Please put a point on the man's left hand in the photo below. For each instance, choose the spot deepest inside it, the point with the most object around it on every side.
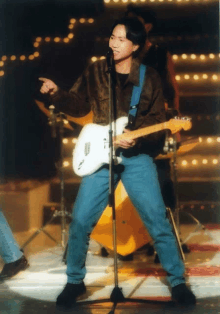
(125, 143)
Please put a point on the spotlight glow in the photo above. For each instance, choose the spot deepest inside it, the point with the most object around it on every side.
(184, 163)
(65, 141)
(195, 162)
(204, 161)
(94, 59)
(193, 56)
(70, 35)
(209, 140)
(215, 161)
(66, 163)
(186, 76)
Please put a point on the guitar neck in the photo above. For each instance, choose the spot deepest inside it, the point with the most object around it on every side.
(143, 131)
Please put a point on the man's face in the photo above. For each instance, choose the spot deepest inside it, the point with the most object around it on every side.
(121, 46)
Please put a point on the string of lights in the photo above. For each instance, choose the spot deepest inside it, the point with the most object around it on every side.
(5, 60)
(156, 1)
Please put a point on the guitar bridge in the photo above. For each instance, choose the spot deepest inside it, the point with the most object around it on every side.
(87, 149)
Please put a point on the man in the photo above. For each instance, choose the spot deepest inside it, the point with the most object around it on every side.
(139, 174)
(10, 252)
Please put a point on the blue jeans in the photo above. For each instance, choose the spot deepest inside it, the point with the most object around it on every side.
(141, 183)
(9, 249)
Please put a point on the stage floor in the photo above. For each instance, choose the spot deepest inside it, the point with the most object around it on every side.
(35, 290)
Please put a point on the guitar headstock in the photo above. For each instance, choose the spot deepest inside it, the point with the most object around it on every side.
(178, 123)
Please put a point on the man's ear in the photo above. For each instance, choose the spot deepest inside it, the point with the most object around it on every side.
(135, 48)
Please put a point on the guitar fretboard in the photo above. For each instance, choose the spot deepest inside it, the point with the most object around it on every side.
(143, 131)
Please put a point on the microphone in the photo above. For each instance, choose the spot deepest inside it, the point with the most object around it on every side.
(109, 58)
(52, 121)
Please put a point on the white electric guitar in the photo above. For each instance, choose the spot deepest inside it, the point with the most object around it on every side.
(92, 147)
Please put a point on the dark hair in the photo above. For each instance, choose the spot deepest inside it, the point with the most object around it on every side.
(135, 31)
(147, 14)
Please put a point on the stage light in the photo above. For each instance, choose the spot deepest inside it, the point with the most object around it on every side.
(116, 1)
(72, 21)
(214, 77)
(70, 35)
(184, 56)
(209, 140)
(74, 140)
(57, 39)
(71, 26)
(193, 56)
(124, 1)
(200, 139)
(36, 54)
(66, 40)
(1, 63)
(4, 58)
(195, 162)
(22, 58)
(36, 44)
(215, 161)
(218, 139)
(196, 77)
(65, 141)
(186, 76)
(211, 56)
(102, 57)
(175, 57)
(47, 39)
(31, 57)
(177, 77)
(39, 39)
(192, 206)
(202, 207)
(106, 1)
(2, 73)
(204, 161)
(66, 163)
(13, 58)
(202, 57)
(184, 163)
(82, 20)
(94, 59)
(204, 76)
(91, 21)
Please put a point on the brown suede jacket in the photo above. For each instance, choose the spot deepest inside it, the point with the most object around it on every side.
(91, 92)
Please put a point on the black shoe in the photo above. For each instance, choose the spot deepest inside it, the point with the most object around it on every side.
(183, 295)
(68, 296)
(11, 269)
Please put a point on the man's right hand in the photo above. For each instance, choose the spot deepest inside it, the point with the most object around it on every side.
(48, 86)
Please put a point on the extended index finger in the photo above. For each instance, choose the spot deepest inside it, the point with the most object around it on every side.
(44, 79)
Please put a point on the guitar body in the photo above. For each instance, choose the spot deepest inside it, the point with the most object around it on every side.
(92, 147)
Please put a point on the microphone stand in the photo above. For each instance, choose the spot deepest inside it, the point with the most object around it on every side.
(116, 295)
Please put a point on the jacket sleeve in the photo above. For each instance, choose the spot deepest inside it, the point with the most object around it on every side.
(76, 101)
(152, 108)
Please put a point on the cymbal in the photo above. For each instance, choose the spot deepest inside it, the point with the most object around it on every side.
(185, 147)
(47, 113)
(81, 121)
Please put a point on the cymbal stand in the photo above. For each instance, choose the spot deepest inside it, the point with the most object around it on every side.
(56, 121)
(199, 225)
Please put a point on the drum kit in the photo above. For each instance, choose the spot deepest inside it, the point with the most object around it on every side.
(131, 233)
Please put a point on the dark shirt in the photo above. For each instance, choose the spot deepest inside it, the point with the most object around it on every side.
(91, 92)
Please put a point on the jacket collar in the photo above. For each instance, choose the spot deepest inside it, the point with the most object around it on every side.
(134, 73)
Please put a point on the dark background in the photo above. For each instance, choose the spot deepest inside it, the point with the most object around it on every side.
(27, 149)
